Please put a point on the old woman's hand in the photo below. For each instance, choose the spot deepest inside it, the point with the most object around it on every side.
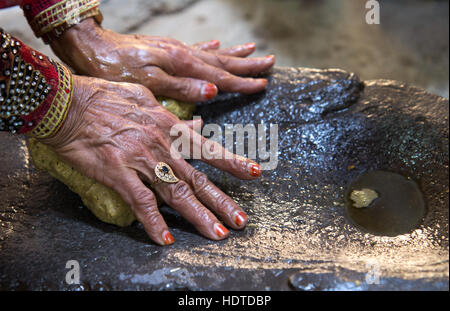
(166, 66)
(117, 133)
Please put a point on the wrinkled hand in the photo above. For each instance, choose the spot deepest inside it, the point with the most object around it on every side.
(166, 66)
(116, 133)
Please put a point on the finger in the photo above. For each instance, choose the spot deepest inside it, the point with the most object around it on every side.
(237, 51)
(153, 58)
(208, 45)
(211, 196)
(213, 153)
(237, 65)
(180, 197)
(216, 155)
(195, 68)
(185, 64)
(183, 89)
(144, 206)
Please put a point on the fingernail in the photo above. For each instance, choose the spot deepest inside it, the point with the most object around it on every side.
(215, 42)
(250, 45)
(270, 58)
(263, 81)
(221, 231)
(255, 170)
(209, 91)
(168, 238)
(240, 218)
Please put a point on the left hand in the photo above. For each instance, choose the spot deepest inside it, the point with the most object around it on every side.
(117, 133)
(166, 66)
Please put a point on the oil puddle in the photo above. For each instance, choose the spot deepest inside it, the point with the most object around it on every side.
(385, 203)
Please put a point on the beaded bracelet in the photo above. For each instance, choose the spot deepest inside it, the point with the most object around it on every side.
(35, 91)
(50, 18)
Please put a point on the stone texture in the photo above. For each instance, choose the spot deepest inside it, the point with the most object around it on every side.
(332, 128)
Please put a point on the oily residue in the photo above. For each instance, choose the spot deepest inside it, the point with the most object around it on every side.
(328, 121)
(398, 208)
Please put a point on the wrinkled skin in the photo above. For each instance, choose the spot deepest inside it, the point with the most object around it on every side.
(116, 133)
(166, 66)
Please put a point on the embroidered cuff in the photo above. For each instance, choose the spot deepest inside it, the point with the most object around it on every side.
(50, 18)
(35, 91)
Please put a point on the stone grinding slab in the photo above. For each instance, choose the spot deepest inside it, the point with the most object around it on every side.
(332, 129)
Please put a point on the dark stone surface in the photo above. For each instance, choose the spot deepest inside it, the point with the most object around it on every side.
(332, 129)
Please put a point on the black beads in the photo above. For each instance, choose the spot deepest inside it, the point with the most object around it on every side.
(22, 90)
(12, 124)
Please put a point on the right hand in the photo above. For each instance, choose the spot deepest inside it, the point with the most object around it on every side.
(116, 133)
(166, 66)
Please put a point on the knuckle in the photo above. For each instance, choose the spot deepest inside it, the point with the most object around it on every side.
(184, 60)
(152, 76)
(174, 52)
(144, 198)
(179, 52)
(181, 191)
(223, 204)
(225, 78)
(150, 216)
(223, 61)
(200, 181)
(186, 89)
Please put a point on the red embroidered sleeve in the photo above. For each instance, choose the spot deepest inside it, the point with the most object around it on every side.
(35, 91)
(7, 3)
(50, 18)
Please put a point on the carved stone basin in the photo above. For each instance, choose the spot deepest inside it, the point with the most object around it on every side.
(332, 129)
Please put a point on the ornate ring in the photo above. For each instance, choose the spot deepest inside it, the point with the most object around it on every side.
(164, 173)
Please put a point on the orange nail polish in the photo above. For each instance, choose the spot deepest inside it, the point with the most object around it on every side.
(264, 81)
(215, 42)
(250, 45)
(240, 218)
(221, 231)
(209, 91)
(168, 238)
(255, 170)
